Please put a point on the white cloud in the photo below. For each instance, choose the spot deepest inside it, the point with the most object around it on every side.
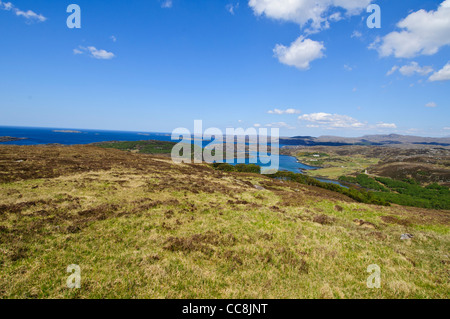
(348, 67)
(431, 104)
(113, 38)
(231, 8)
(95, 53)
(300, 53)
(422, 33)
(414, 68)
(29, 15)
(6, 6)
(411, 69)
(331, 121)
(316, 13)
(338, 121)
(100, 54)
(287, 111)
(280, 125)
(386, 125)
(167, 4)
(447, 128)
(392, 71)
(356, 34)
(441, 75)
(257, 125)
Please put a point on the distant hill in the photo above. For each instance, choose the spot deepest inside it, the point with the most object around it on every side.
(391, 139)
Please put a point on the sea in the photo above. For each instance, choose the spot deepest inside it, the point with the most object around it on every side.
(64, 136)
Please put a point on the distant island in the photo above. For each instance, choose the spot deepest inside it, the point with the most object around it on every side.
(66, 131)
(11, 139)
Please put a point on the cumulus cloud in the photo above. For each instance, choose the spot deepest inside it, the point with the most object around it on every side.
(422, 33)
(386, 125)
(315, 13)
(415, 68)
(29, 15)
(431, 104)
(280, 125)
(441, 75)
(411, 69)
(94, 52)
(287, 111)
(331, 121)
(312, 16)
(300, 53)
(392, 71)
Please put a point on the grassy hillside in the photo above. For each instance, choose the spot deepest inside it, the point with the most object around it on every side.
(141, 226)
(407, 192)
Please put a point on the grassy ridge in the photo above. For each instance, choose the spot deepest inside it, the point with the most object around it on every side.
(143, 147)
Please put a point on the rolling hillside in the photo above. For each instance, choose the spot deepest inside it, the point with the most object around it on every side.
(141, 226)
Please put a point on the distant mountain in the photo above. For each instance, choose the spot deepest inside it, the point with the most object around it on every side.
(391, 139)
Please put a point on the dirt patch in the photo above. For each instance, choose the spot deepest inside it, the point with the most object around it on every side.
(19, 207)
(19, 252)
(323, 219)
(378, 235)
(200, 242)
(364, 224)
(233, 256)
(290, 259)
(395, 220)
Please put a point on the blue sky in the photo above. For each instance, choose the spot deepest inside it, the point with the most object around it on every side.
(157, 65)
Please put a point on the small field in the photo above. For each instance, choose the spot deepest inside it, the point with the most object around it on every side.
(334, 166)
(140, 226)
(425, 165)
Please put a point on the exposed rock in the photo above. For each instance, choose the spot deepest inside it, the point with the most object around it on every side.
(406, 236)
